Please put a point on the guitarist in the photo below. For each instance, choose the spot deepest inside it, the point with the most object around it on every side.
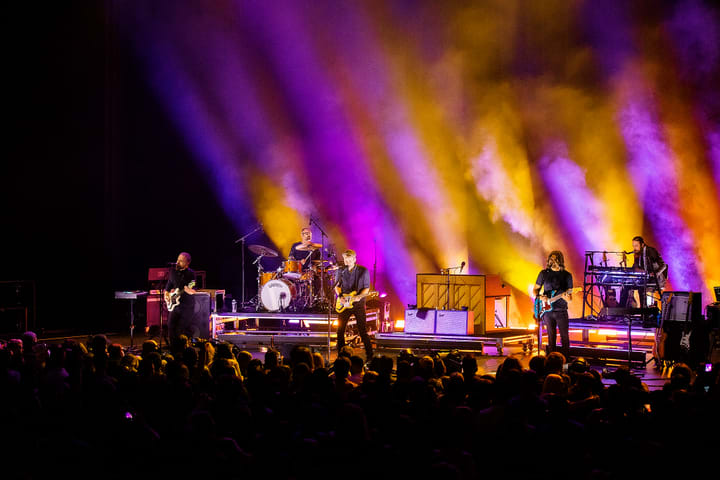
(180, 318)
(353, 278)
(556, 279)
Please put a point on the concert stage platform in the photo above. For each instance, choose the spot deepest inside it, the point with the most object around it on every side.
(311, 329)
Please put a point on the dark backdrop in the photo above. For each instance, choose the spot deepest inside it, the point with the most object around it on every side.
(97, 185)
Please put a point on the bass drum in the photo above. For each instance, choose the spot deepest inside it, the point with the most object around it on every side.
(277, 294)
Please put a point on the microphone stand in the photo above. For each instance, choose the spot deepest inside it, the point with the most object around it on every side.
(322, 282)
(443, 271)
(242, 277)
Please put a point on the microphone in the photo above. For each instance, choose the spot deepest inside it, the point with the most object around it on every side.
(462, 265)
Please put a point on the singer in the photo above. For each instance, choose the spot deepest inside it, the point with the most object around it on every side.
(182, 280)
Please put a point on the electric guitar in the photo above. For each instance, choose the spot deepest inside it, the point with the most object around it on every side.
(173, 300)
(346, 301)
(541, 308)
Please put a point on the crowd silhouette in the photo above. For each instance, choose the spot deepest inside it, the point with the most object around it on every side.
(96, 410)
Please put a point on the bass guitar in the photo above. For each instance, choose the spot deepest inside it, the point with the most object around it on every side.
(347, 300)
(173, 300)
(542, 307)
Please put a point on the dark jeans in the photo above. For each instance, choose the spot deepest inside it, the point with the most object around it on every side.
(558, 319)
(359, 311)
(180, 321)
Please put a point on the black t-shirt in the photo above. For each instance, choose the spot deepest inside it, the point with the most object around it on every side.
(180, 279)
(553, 283)
(300, 255)
(353, 281)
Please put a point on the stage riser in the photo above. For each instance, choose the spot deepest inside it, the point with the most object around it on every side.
(603, 354)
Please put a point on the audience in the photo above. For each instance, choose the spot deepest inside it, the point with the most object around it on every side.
(211, 408)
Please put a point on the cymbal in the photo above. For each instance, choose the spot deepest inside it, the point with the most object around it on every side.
(309, 247)
(318, 262)
(262, 250)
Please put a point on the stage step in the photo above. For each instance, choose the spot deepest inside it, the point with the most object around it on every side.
(611, 354)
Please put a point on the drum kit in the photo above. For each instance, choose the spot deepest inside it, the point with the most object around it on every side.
(290, 287)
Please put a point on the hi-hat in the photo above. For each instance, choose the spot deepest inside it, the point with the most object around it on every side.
(262, 250)
(318, 262)
(309, 247)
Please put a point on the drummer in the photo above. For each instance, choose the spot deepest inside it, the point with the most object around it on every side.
(305, 250)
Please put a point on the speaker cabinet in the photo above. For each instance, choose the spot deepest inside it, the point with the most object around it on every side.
(454, 322)
(420, 320)
(681, 306)
(200, 325)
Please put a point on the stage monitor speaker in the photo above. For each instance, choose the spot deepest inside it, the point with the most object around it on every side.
(681, 306)
(454, 322)
(421, 320)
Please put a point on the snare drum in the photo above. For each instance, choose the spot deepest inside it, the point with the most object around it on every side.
(292, 269)
(266, 277)
(277, 294)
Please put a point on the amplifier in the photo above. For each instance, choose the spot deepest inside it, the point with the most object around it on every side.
(681, 306)
(420, 320)
(454, 322)
(158, 274)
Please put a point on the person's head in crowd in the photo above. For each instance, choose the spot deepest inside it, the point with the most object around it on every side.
(404, 370)
(537, 365)
(439, 367)
(453, 362)
(272, 358)
(554, 362)
(29, 340)
(681, 376)
(300, 354)
(356, 365)
(207, 353)
(425, 367)
(150, 365)
(300, 373)
(178, 345)
(130, 362)
(341, 367)
(509, 363)
(115, 352)
(149, 346)
(469, 366)
(99, 345)
(243, 358)
(578, 366)
(223, 366)
(555, 384)
(318, 360)
(190, 357)
(384, 366)
(346, 351)
(15, 346)
(224, 350)
(255, 365)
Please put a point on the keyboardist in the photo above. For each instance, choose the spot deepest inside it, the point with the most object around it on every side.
(647, 259)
